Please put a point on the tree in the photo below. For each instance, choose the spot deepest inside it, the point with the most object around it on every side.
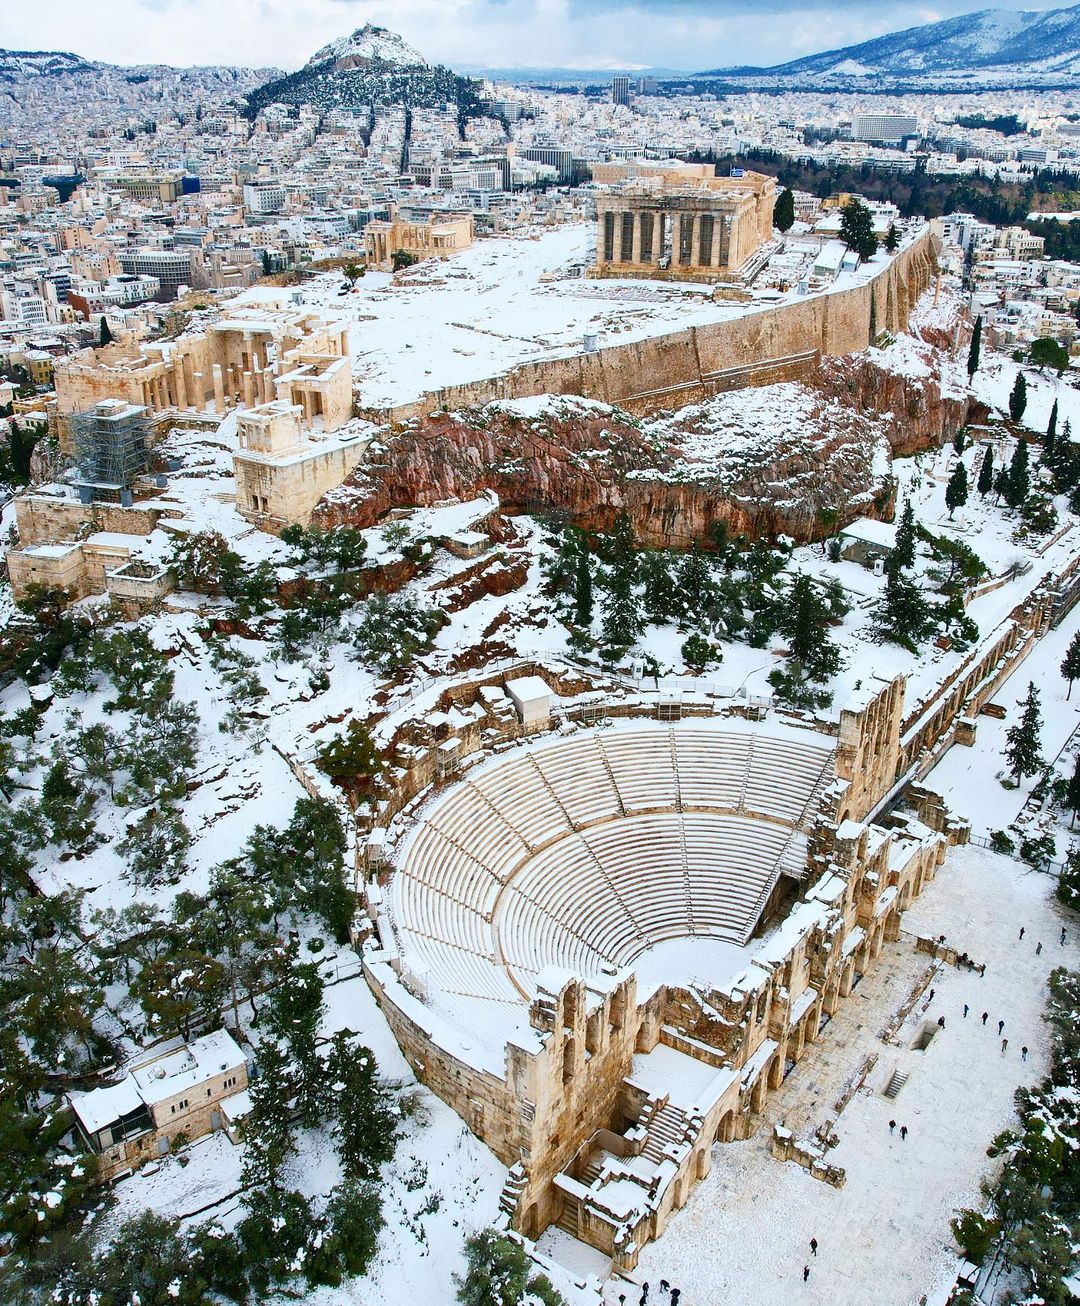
(986, 472)
(1018, 476)
(401, 258)
(857, 229)
(393, 631)
(292, 1018)
(266, 269)
(154, 848)
(1072, 793)
(902, 615)
(958, 440)
(956, 492)
(497, 1274)
(147, 1263)
(366, 1128)
(354, 1214)
(583, 590)
(1051, 435)
(974, 349)
(351, 760)
(1018, 398)
(698, 652)
(266, 1133)
(784, 210)
(1022, 740)
(1070, 666)
(892, 240)
(1047, 352)
(104, 334)
(903, 552)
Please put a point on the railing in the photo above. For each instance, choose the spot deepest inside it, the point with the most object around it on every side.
(1048, 868)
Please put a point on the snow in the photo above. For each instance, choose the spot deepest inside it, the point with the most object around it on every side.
(371, 43)
(888, 1225)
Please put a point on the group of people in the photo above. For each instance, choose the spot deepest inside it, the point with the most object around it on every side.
(666, 1290)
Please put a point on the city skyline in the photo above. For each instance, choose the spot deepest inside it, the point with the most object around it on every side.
(592, 35)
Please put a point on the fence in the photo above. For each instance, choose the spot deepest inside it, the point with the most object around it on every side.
(1047, 868)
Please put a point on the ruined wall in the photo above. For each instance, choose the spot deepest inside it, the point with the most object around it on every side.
(275, 493)
(692, 364)
(43, 519)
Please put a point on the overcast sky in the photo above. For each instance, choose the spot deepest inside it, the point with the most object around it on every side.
(690, 34)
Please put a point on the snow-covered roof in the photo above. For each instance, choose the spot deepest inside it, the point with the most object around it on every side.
(871, 531)
(528, 689)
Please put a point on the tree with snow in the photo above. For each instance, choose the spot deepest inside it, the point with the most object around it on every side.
(1022, 741)
(351, 760)
(958, 441)
(784, 210)
(986, 472)
(1018, 398)
(975, 349)
(892, 240)
(1072, 793)
(956, 492)
(698, 652)
(367, 1121)
(1070, 666)
(903, 551)
(857, 229)
(583, 590)
(902, 615)
(1051, 435)
(497, 1273)
(1018, 477)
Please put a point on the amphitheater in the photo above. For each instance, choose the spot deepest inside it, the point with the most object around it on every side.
(605, 944)
(591, 853)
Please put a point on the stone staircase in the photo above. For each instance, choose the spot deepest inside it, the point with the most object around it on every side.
(896, 1082)
(666, 1129)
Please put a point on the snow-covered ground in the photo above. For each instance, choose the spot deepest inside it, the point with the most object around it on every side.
(884, 1236)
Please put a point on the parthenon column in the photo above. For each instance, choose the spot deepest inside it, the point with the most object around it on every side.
(635, 256)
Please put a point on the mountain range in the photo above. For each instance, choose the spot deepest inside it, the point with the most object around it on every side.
(1044, 41)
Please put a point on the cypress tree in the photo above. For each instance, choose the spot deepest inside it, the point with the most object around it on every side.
(1051, 434)
(903, 554)
(583, 591)
(892, 240)
(1072, 794)
(784, 210)
(1018, 477)
(902, 615)
(956, 492)
(1022, 740)
(1018, 398)
(986, 473)
(857, 229)
(975, 349)
(104, 334)
(1070, 666)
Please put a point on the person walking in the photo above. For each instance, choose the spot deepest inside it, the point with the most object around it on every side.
(644, 1294)
(813, 1246)
(985, 1014)
(1023, 1054)
(1001, 1026)
(941, 1022)
(982, 970)
(676, 1293)
(1004, 1046)
(805, 1273)
(1038, 949)
(664, 1285)
(930, 998)
(966, 1010)
(903, 1132)
(1022, 928)
(1063, 936)
(892, 1126)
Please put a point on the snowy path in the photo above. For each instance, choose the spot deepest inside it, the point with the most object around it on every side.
(744, 1236)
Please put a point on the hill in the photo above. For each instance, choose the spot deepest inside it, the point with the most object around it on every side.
(1042, 41)
(371, 67)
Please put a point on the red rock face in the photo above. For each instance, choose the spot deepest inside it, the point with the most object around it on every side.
(589, 463)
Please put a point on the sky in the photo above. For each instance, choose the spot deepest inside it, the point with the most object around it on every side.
(587, 34)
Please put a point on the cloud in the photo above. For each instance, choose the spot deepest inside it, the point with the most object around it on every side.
(690, 34)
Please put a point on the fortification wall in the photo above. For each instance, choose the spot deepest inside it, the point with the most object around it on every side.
(692, 364)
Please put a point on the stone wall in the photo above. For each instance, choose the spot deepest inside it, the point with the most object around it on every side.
(43, 519)
(641, 376)
(273, 493)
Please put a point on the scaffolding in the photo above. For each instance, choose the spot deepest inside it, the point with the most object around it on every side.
(111, 445)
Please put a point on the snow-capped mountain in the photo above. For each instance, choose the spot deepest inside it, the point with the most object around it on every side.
(369, 45)
(39, 63)
(369, 68)
(1046, 41)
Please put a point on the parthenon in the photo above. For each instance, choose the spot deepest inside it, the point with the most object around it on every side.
(683, 232)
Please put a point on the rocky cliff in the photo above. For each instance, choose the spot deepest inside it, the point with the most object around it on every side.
(772, 460)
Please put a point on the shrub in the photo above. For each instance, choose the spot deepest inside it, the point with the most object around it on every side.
(974, 1233)
(1001, 843)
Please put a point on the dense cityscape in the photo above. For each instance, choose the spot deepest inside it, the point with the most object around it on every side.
(538, 623)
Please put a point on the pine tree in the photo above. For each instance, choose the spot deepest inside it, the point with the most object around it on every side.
(1070, 666)
(958, 441)
(956, 492)
(583, 590)
(1018, 398)
(104, 334)
(902, 615)
(903, 553)
(1018, 477)
(975, 349)
(986, 472)
(857, 229)
(1072, 793)
(1022, 751)
(1051, 435)
(784, 210)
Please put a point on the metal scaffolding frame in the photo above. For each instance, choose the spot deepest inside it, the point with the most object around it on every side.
(112, 447)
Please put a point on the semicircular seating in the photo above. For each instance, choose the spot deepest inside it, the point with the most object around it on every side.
(584, 851)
